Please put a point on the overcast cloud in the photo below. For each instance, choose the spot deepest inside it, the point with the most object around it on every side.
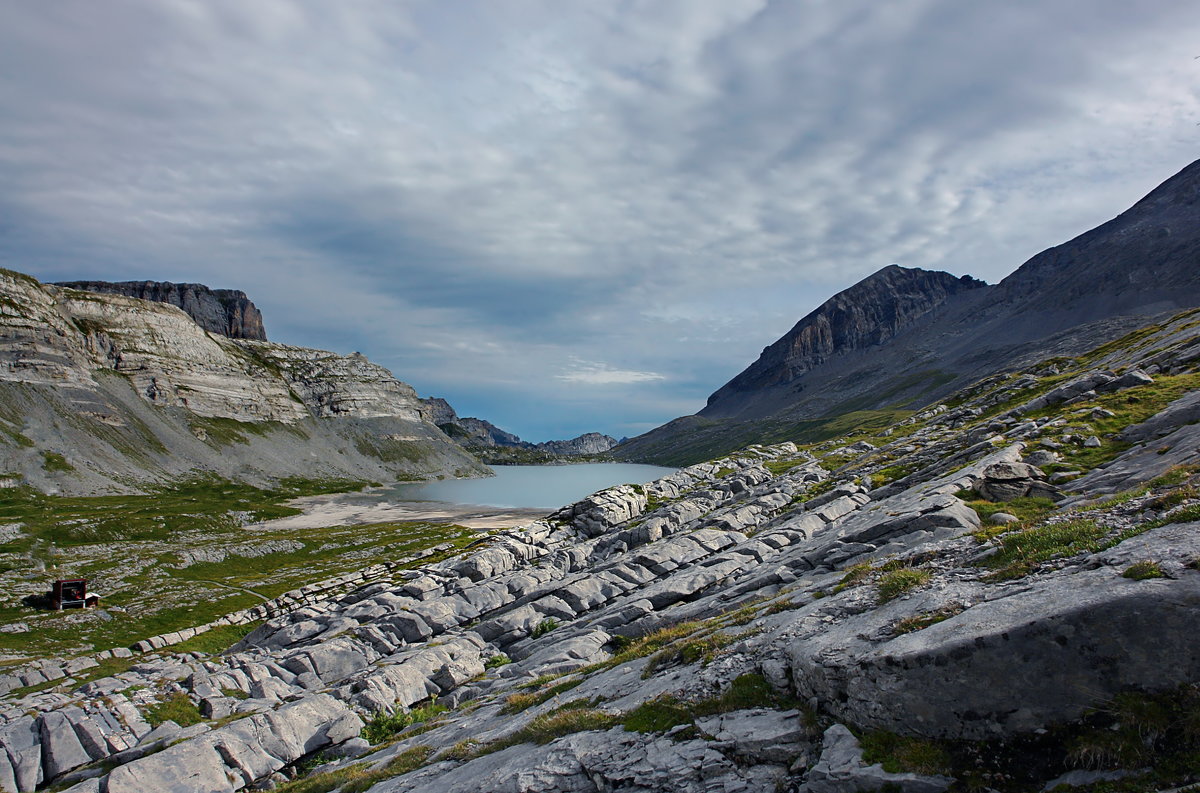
(566, 217)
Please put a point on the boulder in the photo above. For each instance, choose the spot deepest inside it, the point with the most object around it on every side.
(1063, 642)
(1006, 481)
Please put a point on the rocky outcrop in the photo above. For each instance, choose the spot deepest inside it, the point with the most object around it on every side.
(225, 311)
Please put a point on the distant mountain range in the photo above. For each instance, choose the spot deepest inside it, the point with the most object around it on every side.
(496, 445)
(903, 338)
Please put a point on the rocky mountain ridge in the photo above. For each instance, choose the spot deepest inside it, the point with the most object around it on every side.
(481, 435)
(902, 338)
(999, 592)
(126, 390)
(228, 312)
(868, 314)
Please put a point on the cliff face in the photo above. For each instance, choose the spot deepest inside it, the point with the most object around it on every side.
(225, 311)
(870, 313)
(134, 390)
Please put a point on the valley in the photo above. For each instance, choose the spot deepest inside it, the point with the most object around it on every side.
(942, 536)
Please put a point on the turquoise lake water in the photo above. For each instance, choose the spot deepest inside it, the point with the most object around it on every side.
(530, 486)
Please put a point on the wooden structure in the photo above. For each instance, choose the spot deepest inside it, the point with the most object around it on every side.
(71, 593)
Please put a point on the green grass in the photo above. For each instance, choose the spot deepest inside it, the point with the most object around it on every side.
(515, 703)
(895, 583)
(359, 778)
(1020, 552)
(900, 754)
(1026, 510)
(918, 622)
(215, 640)
(700, 648)
(177, 708)
(1140, 571)
(783, 466)
(890, 474)
(53, 462)
(198, 504)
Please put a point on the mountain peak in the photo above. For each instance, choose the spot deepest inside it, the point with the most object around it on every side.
(867, 314)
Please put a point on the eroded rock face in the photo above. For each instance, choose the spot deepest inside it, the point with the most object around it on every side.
(225, 311)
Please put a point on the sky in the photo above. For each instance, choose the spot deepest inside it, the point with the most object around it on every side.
(572, 217)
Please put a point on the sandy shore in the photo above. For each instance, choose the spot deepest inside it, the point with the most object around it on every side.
(342, 509)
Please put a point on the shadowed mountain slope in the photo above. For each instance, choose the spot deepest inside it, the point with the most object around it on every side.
(903, 338)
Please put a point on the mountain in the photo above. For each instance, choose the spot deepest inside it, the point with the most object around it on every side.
(870, 313)
(903, 338)
(497, 446)
(225, 311)
(105, 392)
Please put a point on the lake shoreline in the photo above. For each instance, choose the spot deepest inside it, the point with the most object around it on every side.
(465, 501)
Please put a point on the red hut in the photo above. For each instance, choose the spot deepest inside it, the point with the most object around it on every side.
(69, 594)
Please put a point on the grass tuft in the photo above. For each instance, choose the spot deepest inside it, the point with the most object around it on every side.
(1140, 571)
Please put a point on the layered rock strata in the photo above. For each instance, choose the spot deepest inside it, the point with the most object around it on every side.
(126, 390)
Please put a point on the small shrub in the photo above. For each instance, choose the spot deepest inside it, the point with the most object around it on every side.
(496, 660)
(1140, 571)
(236, 693)
(384, 725)
(544, 627)
(897, 582)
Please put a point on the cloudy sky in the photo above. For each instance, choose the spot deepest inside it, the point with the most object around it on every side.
(573, 216)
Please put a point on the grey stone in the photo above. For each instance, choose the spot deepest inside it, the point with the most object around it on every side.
(1090, 640)
(22, 739)
(1003, 518)
(761, 735)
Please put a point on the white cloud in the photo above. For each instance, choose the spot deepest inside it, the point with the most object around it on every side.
(591, 373)
(478, 193)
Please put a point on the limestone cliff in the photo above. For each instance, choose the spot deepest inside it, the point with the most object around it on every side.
(130, 390)
(225, 311)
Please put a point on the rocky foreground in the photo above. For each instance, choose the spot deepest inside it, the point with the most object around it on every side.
(1000, 592)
